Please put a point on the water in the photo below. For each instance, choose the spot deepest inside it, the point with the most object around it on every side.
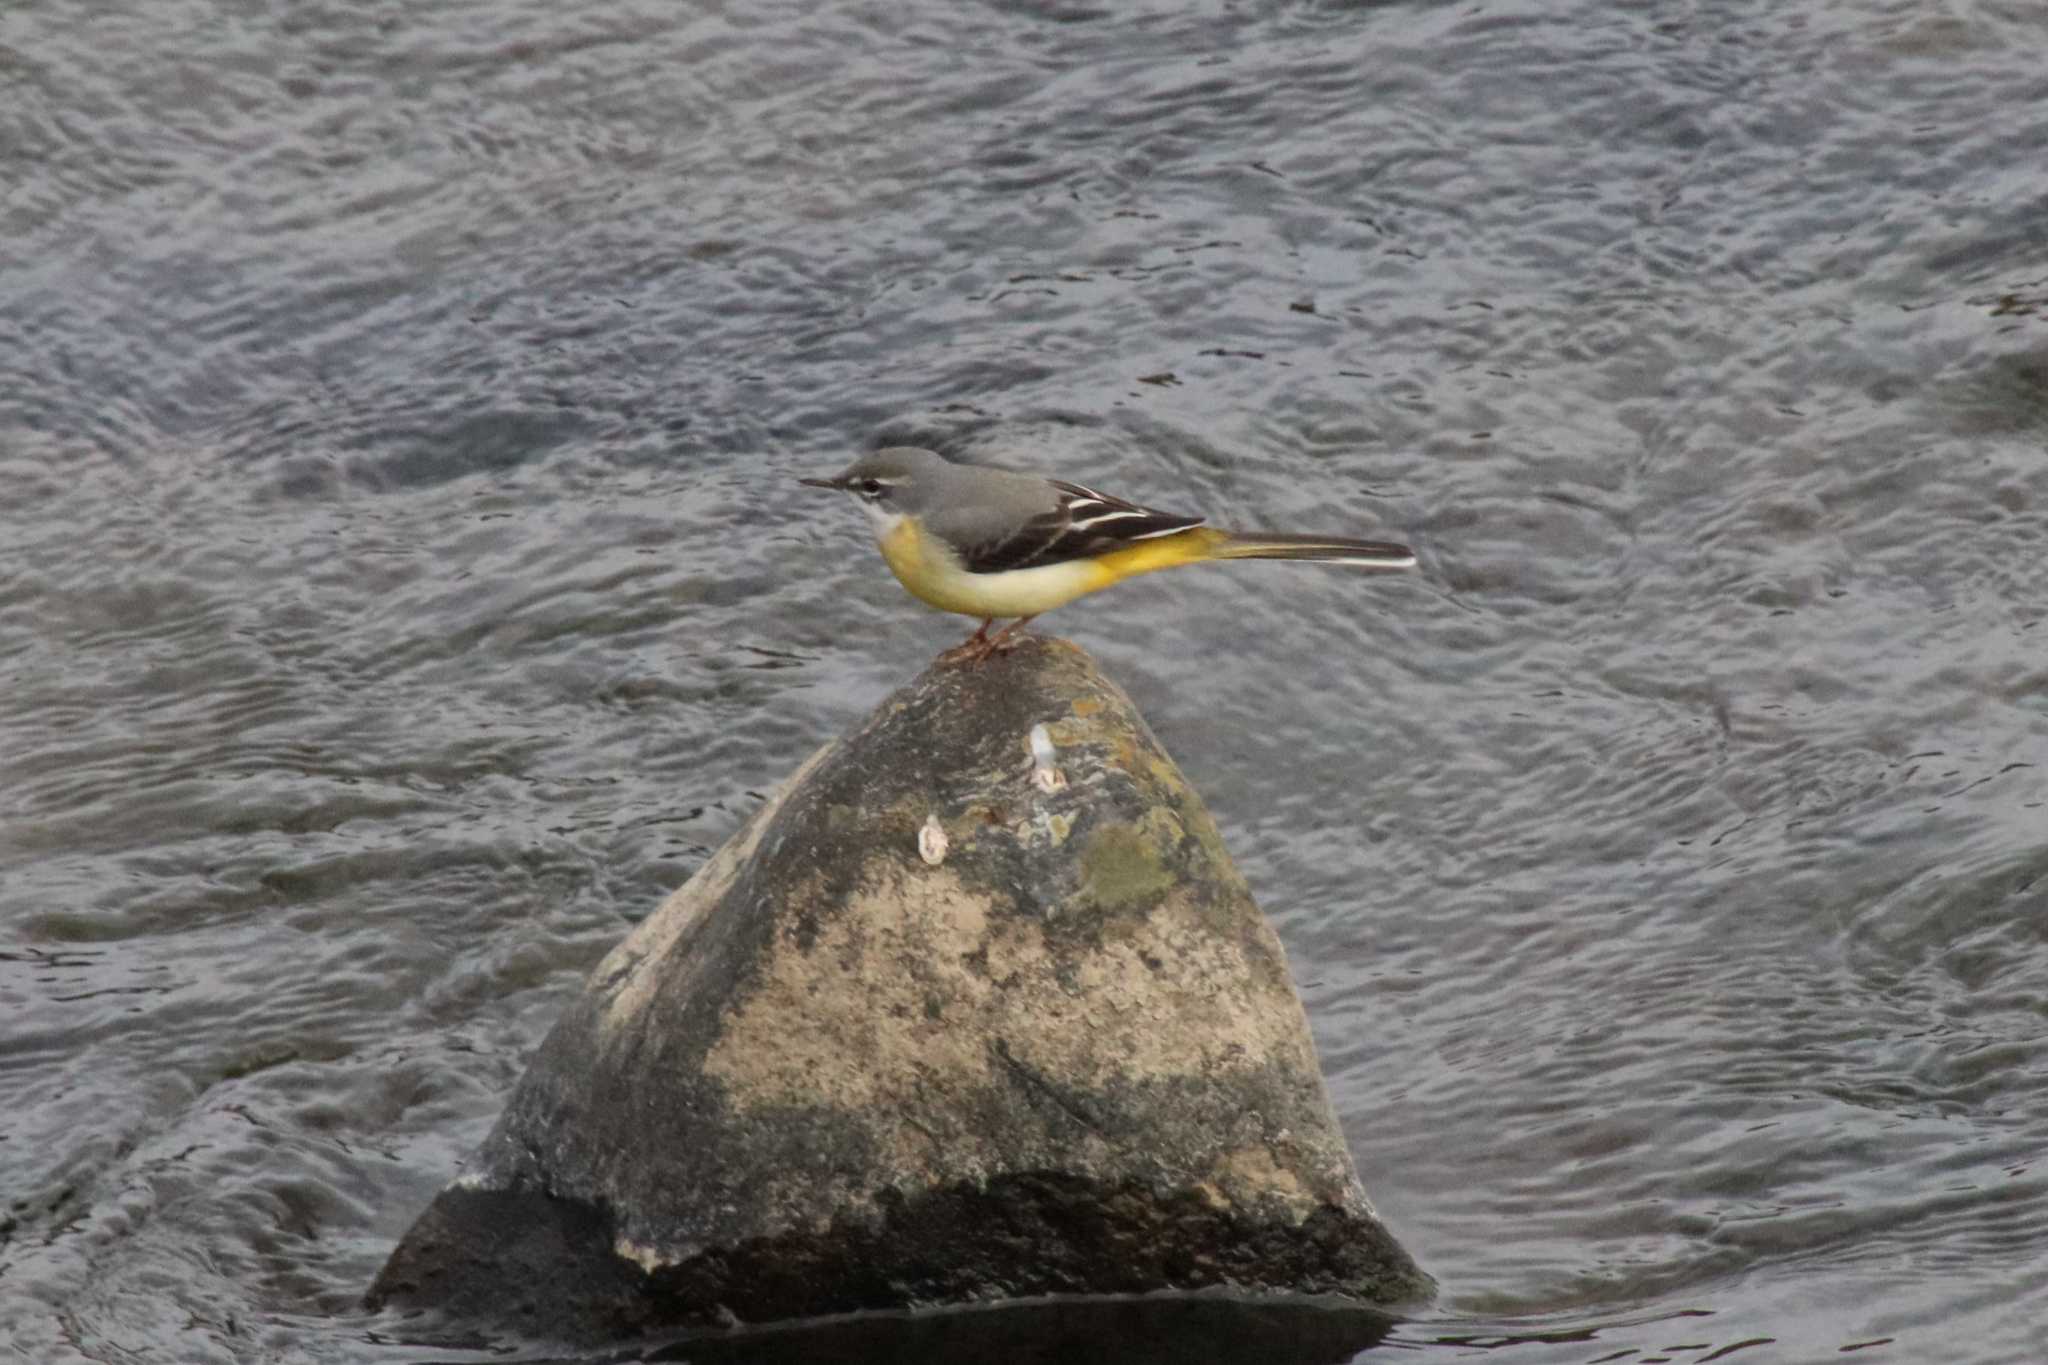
(402, 586)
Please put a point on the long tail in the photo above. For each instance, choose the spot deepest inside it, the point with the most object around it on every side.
(1358, 554)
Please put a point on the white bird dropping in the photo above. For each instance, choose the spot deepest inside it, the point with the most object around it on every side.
(931, 841)
(1047, 777)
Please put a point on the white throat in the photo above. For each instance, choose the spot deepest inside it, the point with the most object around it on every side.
(881, 518)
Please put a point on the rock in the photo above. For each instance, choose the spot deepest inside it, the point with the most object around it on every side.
(943, 1023)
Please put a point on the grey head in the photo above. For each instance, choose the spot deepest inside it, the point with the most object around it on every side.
(962, 505)
(892, 481)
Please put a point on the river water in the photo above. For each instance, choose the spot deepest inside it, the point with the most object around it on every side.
(403, 585)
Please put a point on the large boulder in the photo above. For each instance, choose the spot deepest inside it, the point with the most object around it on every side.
(945, 1022)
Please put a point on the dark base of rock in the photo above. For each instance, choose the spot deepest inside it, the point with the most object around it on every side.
(522, 1259)
(1157, 1329)
(1151, 1329)
(530, 1260)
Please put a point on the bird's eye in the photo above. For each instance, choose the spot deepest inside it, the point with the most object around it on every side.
(871, 488)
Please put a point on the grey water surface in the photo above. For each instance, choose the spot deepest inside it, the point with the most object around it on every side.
(403, 585)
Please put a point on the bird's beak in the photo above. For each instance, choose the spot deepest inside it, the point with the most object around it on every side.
(834, 484)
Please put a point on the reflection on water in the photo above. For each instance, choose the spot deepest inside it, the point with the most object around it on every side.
(402, 588)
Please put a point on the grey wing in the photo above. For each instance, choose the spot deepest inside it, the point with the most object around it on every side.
(1081, 524)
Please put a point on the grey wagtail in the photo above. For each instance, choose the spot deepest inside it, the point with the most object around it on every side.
(990, 543)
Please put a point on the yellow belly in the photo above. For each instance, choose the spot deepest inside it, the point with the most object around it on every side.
(933, 573)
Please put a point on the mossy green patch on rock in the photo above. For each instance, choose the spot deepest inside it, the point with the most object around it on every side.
(1124, 865)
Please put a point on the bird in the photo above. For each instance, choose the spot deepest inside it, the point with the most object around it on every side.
(992, 543)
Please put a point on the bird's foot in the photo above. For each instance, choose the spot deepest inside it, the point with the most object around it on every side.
(981, 645)
(1007, 638)
(973, 649)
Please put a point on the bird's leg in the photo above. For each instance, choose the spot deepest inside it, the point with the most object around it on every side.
(974, 648)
